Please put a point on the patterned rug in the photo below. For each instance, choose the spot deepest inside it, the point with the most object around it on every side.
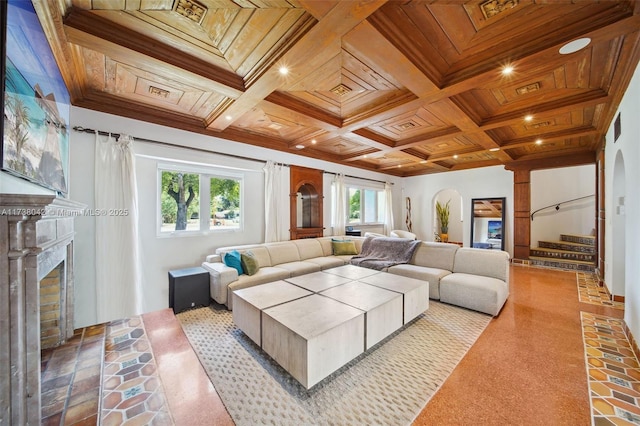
(387, 385)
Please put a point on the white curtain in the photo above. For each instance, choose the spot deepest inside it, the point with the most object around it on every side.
(339, 205)
(388, 209)
(118, 271)
(275, 202)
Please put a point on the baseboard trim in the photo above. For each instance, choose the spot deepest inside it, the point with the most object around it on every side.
(632, 340)
(618, 298)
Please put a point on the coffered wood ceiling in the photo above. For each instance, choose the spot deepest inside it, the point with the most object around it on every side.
(400, 87)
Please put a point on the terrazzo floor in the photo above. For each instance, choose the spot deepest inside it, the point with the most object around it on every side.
(150, 375)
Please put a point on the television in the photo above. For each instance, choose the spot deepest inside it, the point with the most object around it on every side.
(494, 229)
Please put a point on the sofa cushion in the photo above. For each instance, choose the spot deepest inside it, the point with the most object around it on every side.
(283, 252)
(424, 273)
(435, 255)
(326, 262)
(264, 275)
(480, 293)
(309, 248)
(300, 268)
(233, 260)
(249, 262)
(488, 263)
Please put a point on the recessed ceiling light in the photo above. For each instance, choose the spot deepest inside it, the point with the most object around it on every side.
(455, 156)
(365, 156)
(507, 69)
(313, 141)
(539, 142)
(284, 70)
(399, 165)
(299, 146)
(228, 117)
(494, 149)
(575, 45)
(423, 162)
(528, 117)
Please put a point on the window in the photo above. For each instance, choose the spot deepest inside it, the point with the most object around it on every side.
(195, 200)
(366, 206)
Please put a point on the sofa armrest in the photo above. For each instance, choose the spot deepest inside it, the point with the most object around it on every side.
(213, 258)
(220, 276)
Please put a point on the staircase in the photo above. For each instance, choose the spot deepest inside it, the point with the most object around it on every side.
(573, 252)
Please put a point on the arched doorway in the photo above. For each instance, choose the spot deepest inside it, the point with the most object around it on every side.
(618, 222)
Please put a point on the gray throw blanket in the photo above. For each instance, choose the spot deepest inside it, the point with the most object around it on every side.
(381, 252)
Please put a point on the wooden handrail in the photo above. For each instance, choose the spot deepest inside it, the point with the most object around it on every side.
(557, 205)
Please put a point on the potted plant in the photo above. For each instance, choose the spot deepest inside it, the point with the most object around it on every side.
(442, 210)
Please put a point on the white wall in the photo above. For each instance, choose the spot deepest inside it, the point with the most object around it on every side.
(486, 182)
(10, 184)
(162, 254)
(568, 183)
(626, 150)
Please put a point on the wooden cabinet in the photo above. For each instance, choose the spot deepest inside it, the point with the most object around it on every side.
(305, 202)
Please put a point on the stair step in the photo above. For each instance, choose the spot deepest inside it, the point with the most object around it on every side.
(573, 265)
(562, 254)
(579, 239)
(567, 246)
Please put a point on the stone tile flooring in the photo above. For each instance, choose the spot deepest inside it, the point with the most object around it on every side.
(132, 392)
(590, 291)
(613, 371)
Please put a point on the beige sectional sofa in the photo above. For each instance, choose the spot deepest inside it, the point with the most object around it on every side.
(472, 278)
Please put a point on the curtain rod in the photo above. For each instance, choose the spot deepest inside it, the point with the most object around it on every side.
(241, 157)
(117, 135)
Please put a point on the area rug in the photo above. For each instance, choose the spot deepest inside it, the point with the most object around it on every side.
(388, 385)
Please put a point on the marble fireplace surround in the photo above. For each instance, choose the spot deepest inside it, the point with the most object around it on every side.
(36, 236)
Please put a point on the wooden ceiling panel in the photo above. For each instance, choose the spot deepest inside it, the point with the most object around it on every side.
(404, 88)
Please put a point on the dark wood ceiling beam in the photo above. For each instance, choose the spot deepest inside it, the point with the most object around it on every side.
(285, 100)
(550, 137)
(568, 160)
(590, 98)
(303, 58)
(86, 22)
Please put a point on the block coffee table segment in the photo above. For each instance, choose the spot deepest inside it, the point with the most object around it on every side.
(415, 292)
(351, 271)
(317, 281)
(249, 302)
(312, 337)
(383, 308)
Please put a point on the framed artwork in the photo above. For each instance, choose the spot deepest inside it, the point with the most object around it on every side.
(36, 103)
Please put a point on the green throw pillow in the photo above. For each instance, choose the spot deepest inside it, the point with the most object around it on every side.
(249, 263)
(343, 248)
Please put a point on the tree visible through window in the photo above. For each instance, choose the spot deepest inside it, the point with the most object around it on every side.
(198, 202)
(365, 205)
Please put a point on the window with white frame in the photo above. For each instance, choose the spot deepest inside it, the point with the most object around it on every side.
(195, 199)
(365, 205)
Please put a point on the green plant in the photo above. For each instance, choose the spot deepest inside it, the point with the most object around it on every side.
(442, 211)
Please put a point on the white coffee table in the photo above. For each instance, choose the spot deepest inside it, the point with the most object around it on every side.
(248, 304)
(383, 308)
(415, 292)
(351, 271)
(313, 336)
(317, 281)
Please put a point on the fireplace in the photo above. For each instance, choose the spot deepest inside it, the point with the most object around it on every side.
(36, 295)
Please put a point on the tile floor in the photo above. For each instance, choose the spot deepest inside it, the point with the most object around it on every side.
(152, 377)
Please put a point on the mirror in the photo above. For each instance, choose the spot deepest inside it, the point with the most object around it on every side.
(487, 223)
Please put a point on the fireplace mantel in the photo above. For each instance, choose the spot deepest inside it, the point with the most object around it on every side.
(36, 235)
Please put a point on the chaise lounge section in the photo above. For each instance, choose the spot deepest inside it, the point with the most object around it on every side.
(476, 279)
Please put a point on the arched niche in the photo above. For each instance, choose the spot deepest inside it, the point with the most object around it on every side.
(455, 214)
(305, 202)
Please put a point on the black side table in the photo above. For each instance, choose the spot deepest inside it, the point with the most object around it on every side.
(188, 288)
